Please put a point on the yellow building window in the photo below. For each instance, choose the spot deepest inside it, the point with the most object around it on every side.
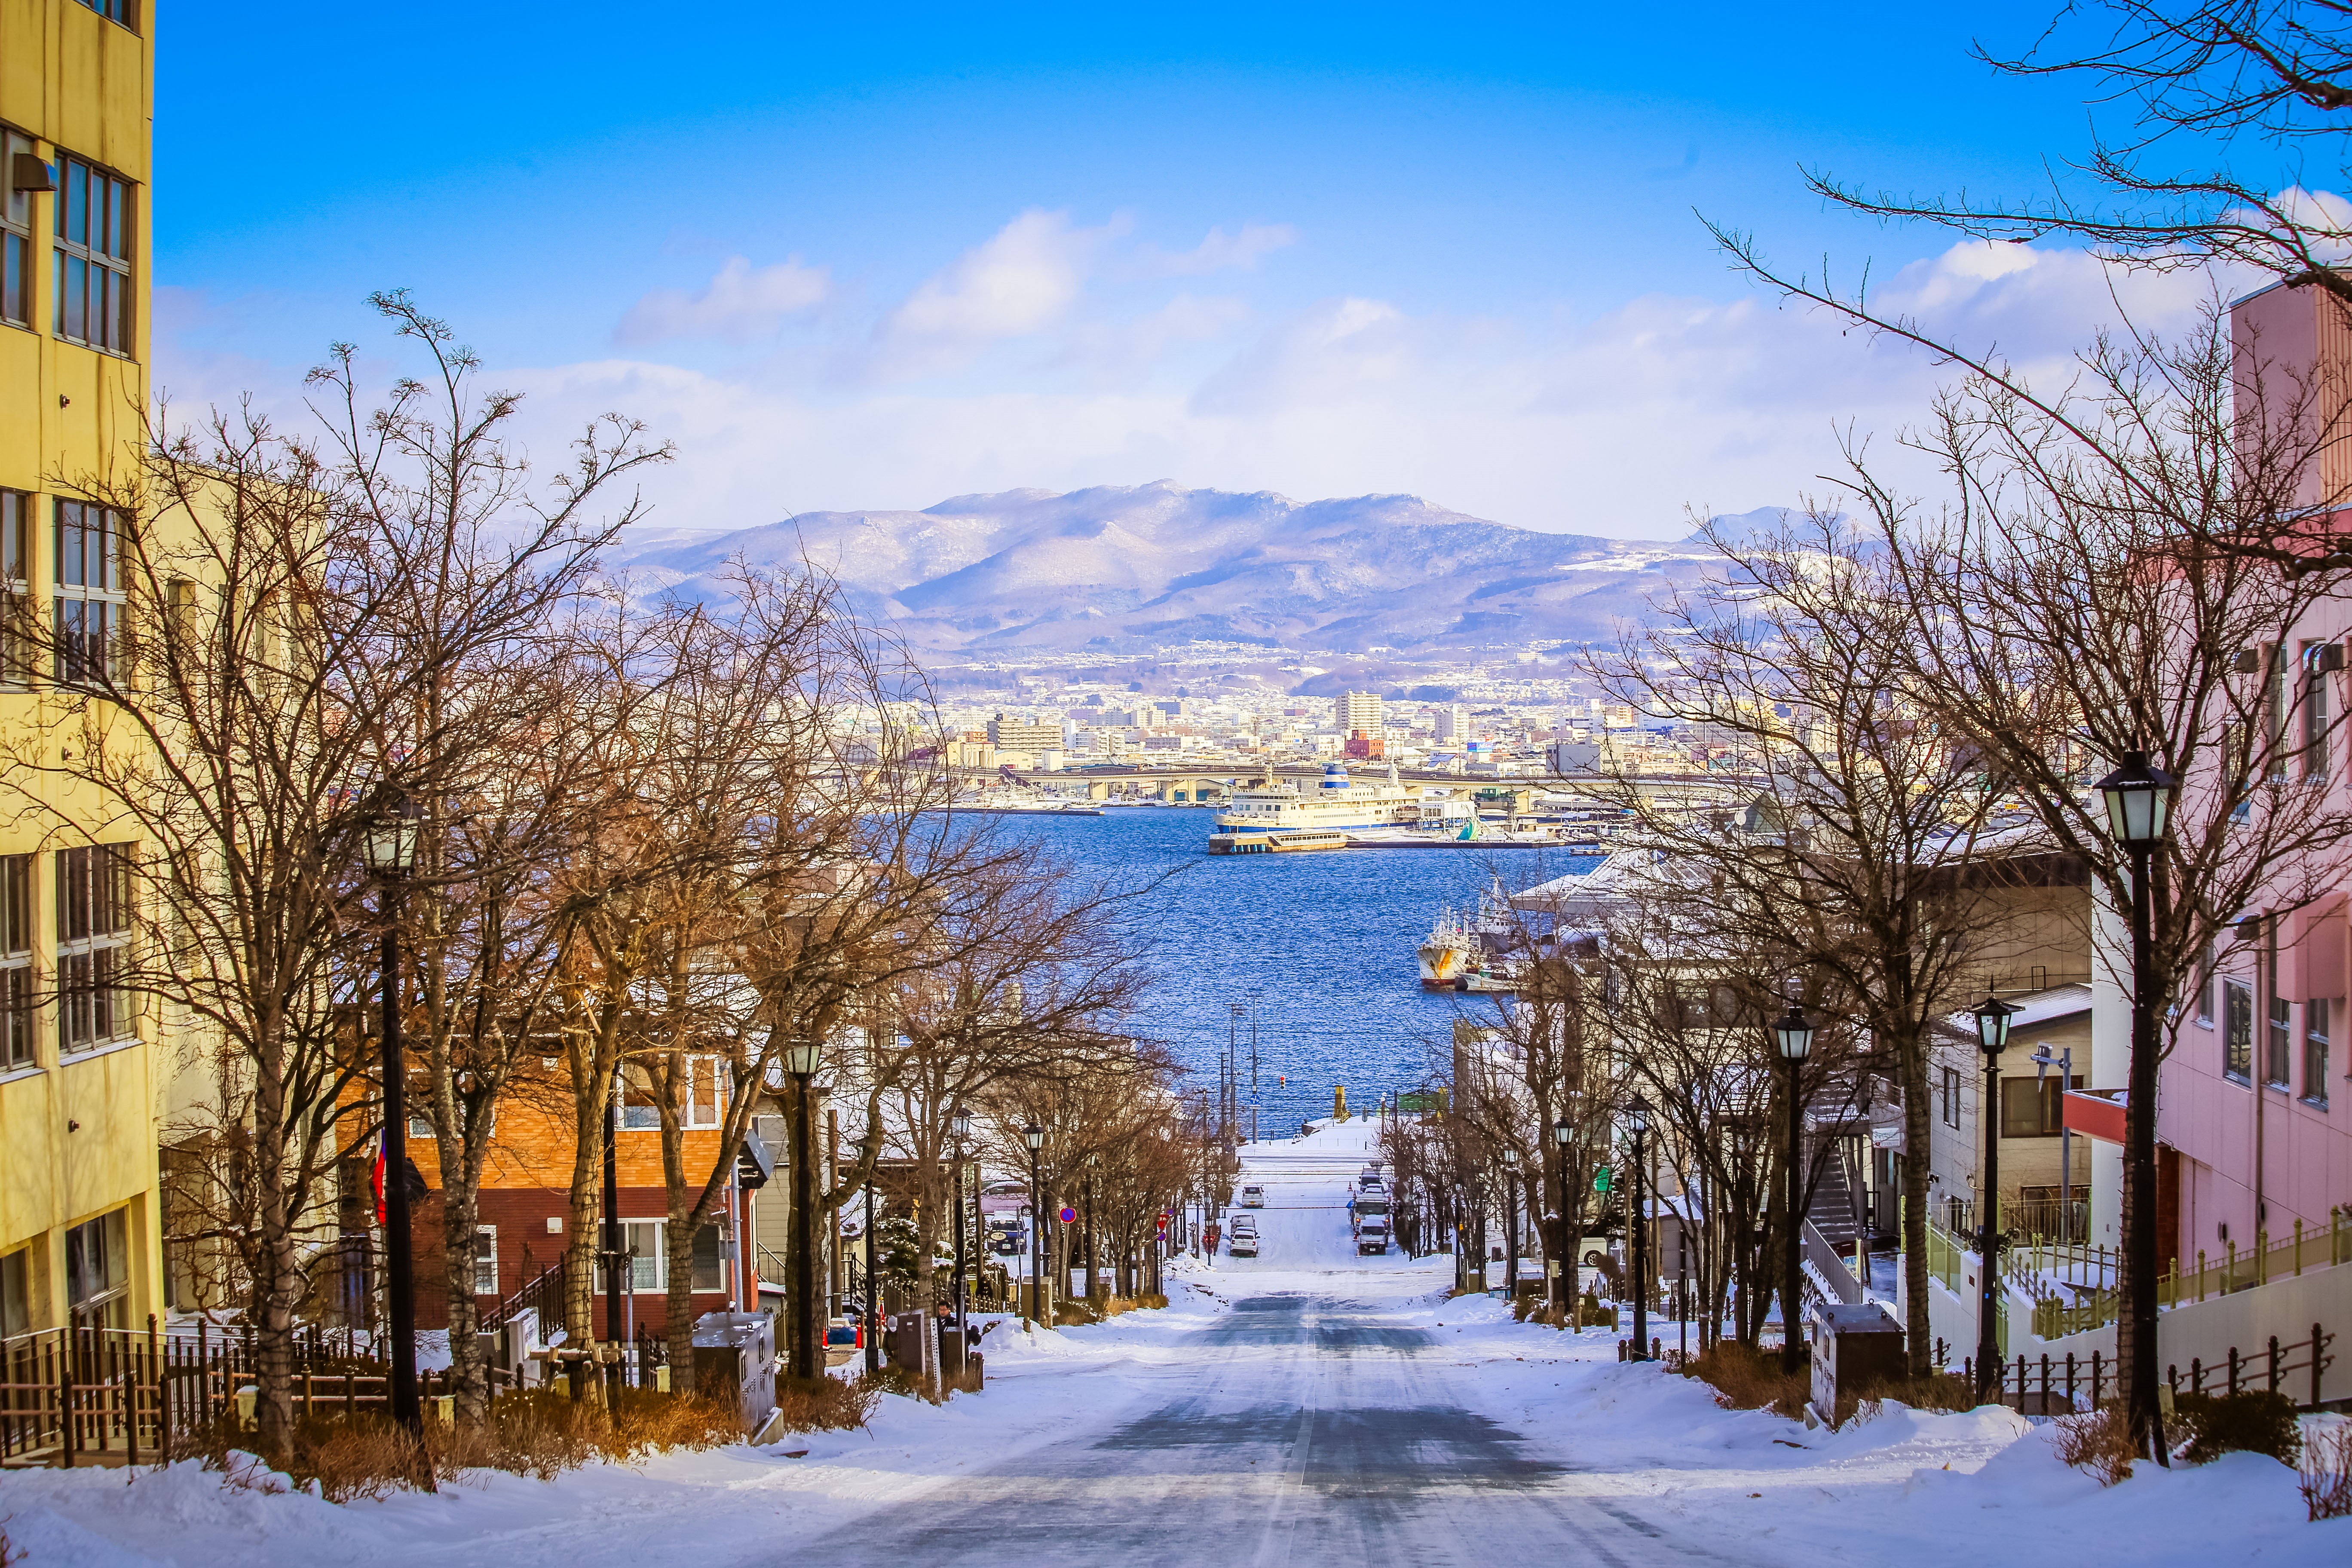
(93, 256)
(15, 961)
(123, 11)
(16, 587)
(93, 945)
(17, 233)
(97, 1272)
(89, 591)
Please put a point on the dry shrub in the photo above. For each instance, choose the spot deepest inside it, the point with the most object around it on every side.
(652, 1422)
(540, 1433)
(2099, 1442)
(1936, 1390)
(367, 1458)
(1745, 1378)
(2254, 1421)
(2325, 1474)
(826, 1404)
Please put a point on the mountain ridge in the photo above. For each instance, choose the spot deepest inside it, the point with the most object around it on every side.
(1126, 568)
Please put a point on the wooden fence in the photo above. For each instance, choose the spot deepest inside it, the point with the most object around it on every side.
(2057, 1385)
(87, 1395)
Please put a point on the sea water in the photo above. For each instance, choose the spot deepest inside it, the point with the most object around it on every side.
(1317, 948)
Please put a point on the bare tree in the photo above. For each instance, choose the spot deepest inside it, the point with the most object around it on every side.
(2265, 82)
(1862, 847)
(299, 620)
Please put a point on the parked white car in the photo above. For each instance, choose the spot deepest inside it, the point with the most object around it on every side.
(1253, 1197)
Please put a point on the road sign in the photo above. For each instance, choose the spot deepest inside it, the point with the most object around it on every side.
(1601, 1178)
(1069, 1214)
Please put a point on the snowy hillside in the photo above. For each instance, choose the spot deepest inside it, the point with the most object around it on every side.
(1121, 568)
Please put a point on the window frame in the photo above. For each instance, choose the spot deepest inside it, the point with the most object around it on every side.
(16, 1292)
(18, 1011)
(1951, 1094)
(704, 1071)
(486, 1257)
(100, 890)
(76, 655)
(2238, 1030)
(2278, 1041)
(73, 258)
(124, 14)
(16, 236)
(2316, 1023)
(108, 1306)
(16, 510)
(649, 1268)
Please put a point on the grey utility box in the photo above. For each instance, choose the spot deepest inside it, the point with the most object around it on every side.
(735, 1363)
(1855, 1349)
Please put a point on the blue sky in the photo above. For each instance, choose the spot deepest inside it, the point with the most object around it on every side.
(853, 262)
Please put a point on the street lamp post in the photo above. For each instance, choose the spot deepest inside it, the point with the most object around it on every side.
(872, 1289)
(1637, 1116)
(962, 1123)
(389, 844)
(1034, 1136)
(802, 1056)
(1792, 1036)
(2138, 798)
(1094, 1259)
(1510, 1225)
(1992, 1015)
(2063, 1061)
(1563, 1132)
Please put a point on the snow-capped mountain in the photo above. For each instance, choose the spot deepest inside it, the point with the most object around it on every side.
(1130, 567)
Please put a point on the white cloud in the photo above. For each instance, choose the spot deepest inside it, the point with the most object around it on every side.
(1612, 424)
(1019, 282)
(742, 302)
(1218, 251)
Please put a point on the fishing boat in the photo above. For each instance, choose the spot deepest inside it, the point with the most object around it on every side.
(1461, 945)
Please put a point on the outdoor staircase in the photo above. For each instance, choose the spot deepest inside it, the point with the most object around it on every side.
(1833, 1211)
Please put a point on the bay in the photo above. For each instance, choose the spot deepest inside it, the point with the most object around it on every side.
(1317, 948)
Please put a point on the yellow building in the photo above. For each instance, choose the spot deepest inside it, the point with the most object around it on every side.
(78, 1078)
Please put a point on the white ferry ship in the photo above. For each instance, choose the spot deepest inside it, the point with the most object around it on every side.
(1257, 820)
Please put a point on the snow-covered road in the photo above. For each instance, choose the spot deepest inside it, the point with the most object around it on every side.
(1306, 1406)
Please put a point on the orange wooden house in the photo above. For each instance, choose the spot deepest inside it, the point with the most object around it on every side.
(526, 1203)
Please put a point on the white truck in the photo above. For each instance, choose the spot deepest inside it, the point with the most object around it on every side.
(1370, 1216)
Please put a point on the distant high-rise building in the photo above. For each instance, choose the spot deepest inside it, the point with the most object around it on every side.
(1454, 725)
(1358, 711)
(1010, 734)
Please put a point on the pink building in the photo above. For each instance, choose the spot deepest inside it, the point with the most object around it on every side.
(2254, 1105)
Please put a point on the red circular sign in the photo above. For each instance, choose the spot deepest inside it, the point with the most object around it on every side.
(1069, 1216)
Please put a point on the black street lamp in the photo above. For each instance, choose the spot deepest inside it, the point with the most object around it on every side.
(390, 844)
(1094, 1262)
(1034, 1136)
(1510, 1225)
(1792, 1036)
(2138, 799)
(1637, 1116)
(1563, 1133)
(802, 1056)
(962, 1124)
(1992, 1015)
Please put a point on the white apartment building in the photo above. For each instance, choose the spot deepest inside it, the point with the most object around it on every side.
(1358, 711)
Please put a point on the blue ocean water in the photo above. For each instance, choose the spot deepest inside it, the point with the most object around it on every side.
(1319, 949)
